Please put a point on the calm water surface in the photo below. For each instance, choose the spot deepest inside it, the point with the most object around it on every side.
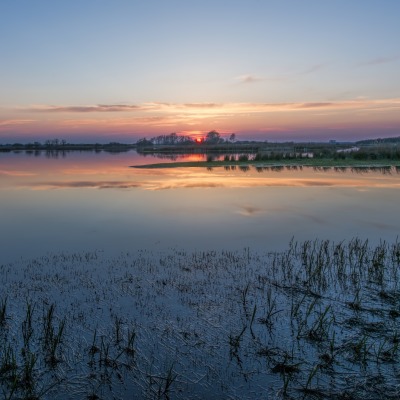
(86, 201)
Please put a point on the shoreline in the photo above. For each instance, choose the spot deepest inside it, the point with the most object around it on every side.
(384, 163)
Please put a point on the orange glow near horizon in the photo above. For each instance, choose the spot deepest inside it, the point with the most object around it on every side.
(320, 120)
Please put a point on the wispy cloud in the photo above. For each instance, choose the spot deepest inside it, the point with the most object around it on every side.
(184, 109)
(313, 68)
(316, 105)
(202, 105)
(9, 122)
(380, 60)
(276, 107)
(183, 116)
(117, 121)
(86, 109)
(249, 79)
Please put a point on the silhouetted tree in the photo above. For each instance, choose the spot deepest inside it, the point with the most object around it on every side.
(213, 137)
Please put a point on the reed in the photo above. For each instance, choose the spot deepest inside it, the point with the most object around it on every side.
(165, 389)
(52, 335)
(27, 325)
(3, 311)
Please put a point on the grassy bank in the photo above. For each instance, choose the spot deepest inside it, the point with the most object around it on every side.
(303, 162)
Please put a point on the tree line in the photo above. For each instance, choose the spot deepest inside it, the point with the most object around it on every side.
(212, 137)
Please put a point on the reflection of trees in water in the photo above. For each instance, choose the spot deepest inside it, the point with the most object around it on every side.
(321, 169)
(340, 169)
(294, 167)
(55, 153)
(59, 152)
(384, 170)
(36, 153)
(163, 156)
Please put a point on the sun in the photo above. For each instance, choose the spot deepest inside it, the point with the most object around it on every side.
(199, 140)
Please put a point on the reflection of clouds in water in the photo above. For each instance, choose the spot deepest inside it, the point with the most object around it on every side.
(87, 184)
(147, 185)
(84, 171)
(379, 225)
(314, 218)
(312, 182)
(187, 185)
(249, 211)
(227, 182)
(189, 210)
(16, 173)
(164, 180)
(254, 211)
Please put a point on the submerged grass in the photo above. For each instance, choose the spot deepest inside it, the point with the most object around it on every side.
(320, 320)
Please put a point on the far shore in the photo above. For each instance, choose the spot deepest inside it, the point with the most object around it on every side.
(304, 162)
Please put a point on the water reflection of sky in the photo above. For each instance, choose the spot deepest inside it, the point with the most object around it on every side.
(90, 201)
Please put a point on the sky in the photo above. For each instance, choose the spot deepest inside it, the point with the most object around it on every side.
(119, 70)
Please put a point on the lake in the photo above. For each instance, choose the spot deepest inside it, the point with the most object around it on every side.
(243, 283)
(94, 201)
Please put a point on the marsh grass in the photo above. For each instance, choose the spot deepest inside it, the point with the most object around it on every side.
(52, 335)
(3, 311)
(319, 320)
